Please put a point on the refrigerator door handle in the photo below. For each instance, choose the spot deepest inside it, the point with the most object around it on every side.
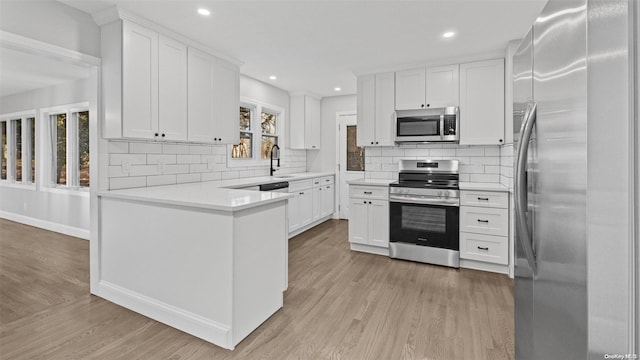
(521, 185)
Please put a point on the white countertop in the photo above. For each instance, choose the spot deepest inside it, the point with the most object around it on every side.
(371, 182)
(482, 186)
(215, 195)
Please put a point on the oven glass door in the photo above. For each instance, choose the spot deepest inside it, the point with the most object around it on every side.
(418, 126)
(428, 225)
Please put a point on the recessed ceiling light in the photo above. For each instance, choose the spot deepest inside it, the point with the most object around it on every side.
(273, 77)
(204, 12)
(448, 34)
(337, 88)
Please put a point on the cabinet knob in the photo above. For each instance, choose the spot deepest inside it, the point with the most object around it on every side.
(483, 221)
(364, 202)
(482, 248)
(156, 134)
(313, 146)
(219, 139)
(320, 189)
(422, 105)
(215, 139)
(163, 135)
(500, 140)
(372, 143)
(369, 202)
(376, 143)
(301, 193)
(428, 105)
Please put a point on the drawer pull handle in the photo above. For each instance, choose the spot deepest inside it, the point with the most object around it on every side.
(483, 199)
(482, 248)
(483, 221)
(368, 193)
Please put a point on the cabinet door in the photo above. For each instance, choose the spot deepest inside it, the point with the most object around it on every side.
(139, 82)
(226, 102)
(358, 221)
(442, 86)
(317, 203)
(410, 89)
(328, 196)
(294, 215)
(200, 102)
(172, 89)
(305, 207)
(311, 123)
(384, 109)
(366, 110)
(378, 223)
(482, 103)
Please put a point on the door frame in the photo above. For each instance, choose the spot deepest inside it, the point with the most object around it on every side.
(338, 187)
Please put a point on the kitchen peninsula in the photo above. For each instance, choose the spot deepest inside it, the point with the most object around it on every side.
(209, 261)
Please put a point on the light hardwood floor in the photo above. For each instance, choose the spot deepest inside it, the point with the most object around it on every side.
(340, 305)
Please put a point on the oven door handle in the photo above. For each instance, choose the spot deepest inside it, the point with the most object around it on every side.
(423, 201)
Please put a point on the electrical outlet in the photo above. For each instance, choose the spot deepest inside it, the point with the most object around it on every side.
(126, 166)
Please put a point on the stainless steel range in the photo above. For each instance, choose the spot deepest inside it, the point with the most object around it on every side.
(424, 212)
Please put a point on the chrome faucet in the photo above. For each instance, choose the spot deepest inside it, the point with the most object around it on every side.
(271, 169)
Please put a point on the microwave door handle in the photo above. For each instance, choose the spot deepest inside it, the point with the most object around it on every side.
(442, 126)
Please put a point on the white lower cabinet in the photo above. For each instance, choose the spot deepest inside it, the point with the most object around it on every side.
(369, 216)
(313, 200)
(484, 227)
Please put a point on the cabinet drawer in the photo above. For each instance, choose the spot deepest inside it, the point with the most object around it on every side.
(489, 221)
(369, 192)
(321, 181)
(295, 186)
(484, 198)
(487, 248)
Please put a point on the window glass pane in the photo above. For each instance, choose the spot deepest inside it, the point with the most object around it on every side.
(245, 119)
(18, 127)
(267, 144)
(83, 148)
(60, 126)
(355, 153)
(244, 148)
(268, 123)
(32, 127)
(3, 145)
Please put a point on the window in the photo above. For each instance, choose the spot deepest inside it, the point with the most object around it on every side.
(70, 162)
(355, 153)
(18, 148)
(269, 133)
(258, 122)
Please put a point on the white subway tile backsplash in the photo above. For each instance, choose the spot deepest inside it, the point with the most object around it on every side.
(127, 182)
(189, 159)
(211, 176)
(145, 148)
(165, 158)
(188, 178)
(442, 152)
(470, 151)
(392, 152)
(176, 169)
(484, 160)
(492, 151)
(118, 147)
(198, 168)
(175, 149)
(200, 149)
(230, 175)
(492, 169)
(161, 180)
(144, 170)
(486, 178)
(132, 159)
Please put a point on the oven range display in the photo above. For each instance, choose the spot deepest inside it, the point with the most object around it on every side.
(426, 165)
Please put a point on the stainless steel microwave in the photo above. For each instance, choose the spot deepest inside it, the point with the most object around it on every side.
(428, 125)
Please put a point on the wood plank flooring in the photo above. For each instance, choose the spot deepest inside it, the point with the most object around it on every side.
(340, 305)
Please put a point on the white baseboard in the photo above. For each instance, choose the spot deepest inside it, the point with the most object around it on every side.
(47, 225)
(370, 249)
(479, 265)
(178, 318)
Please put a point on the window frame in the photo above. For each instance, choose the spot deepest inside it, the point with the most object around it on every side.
(49, 168)
(257, 108)
(10, 119)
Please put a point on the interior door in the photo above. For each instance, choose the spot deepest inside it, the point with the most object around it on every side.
(351, 160)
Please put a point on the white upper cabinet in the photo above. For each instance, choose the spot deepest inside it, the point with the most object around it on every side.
(442, 86)
(139, 79)
(482, 103)
(213, 104)
(376, 109)
(154, 87)
(304, 123)
(427, 87)
(172, 89)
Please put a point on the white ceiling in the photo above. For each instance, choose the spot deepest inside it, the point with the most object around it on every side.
(20, 72)
(315, 46)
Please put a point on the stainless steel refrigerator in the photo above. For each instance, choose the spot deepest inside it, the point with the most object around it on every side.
(574, 182)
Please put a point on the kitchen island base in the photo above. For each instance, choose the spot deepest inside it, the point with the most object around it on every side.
(214, 274)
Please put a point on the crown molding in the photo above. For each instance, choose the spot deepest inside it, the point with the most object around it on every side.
(35, 47)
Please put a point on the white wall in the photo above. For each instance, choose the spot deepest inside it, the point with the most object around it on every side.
(325, 159)
(57, 210)
(51, 22)
(186, 162)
